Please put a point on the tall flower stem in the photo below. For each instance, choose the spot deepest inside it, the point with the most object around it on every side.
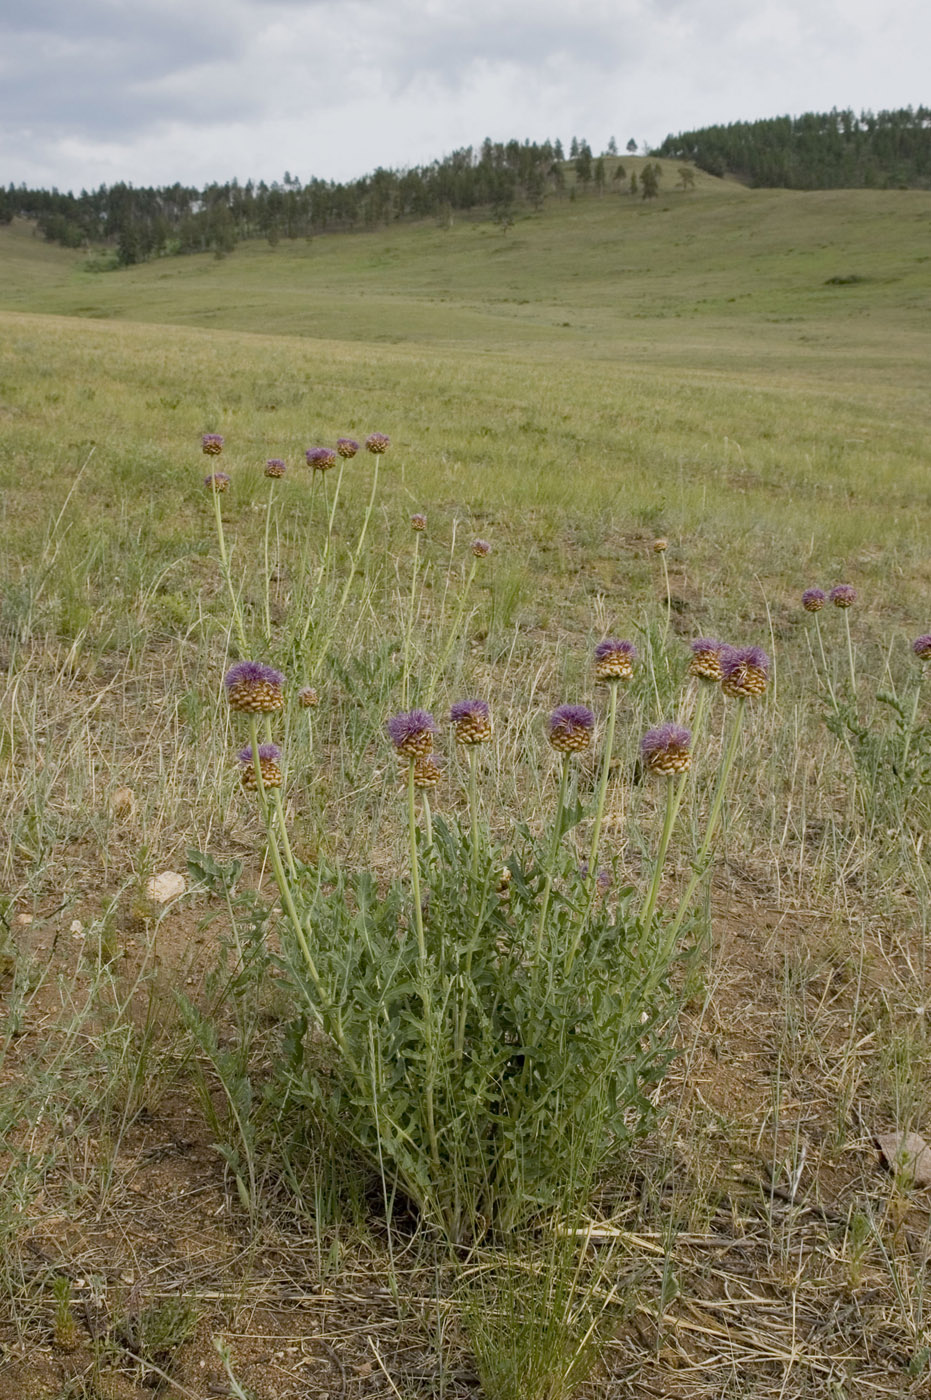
(853, 669)
(268, 606)
(409, 629)
(422, 958)
(824, 663)
(554, 849)
(473, 809)
(279, 810)
(668, 598)
(330, 512)
(440, 666)
(674, 790)
(698, 865)
(467, 972)
(284, 888)
(603, 786)
(225, 567)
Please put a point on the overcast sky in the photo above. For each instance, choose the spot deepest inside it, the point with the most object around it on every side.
(153, 91)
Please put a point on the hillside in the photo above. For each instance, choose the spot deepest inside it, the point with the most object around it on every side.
(802, 275)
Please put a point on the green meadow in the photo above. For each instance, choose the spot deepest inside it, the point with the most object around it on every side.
(742, 373)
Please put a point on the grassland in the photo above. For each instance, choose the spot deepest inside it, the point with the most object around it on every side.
(607, 371)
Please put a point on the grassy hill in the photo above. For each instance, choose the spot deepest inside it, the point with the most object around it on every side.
(593, 278)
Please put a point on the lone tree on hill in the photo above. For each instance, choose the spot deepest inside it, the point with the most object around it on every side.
(649, 180)
(686, 177)
(632, 147)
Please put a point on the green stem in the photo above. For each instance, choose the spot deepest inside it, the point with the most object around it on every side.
(853, 670)
(415, 867)
(913, 719)
(440, 667)
(268, 606)
(279, 809)
(353, 567)
(473, 809)
(603, 787)
(409, 629)
(698, 867)
(427, 820)
(422, 956)
(330, 512)
(225, 566)
(554, 849)
(668, 597)
(674, 790)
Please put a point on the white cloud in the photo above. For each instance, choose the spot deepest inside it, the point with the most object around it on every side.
(157, 90)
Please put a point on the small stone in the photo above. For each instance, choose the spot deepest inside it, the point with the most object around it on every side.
(23, 920)
(167, 886)
(907, 1155)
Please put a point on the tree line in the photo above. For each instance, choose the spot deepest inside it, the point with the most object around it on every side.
(816, 151)
(139, 223)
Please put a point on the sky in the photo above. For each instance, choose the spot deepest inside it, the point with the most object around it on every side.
(154, 91)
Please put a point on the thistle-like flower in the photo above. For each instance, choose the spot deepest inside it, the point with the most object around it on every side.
(418, 522)
(275, 467)
(321, 459)
(843, 595)
(665, 749)
(269, 754)
(614, 660)
(706, 659)
(744, 670)
(814, 599)
(921, 646)
(660, 546)
(254, 688)
(471, 721)
(217, 481)
(211, 444)
(377, 443)
(569, 728)
(307, 697)
(347, 447)
(412, 733)
(427, 771)
(481, 549)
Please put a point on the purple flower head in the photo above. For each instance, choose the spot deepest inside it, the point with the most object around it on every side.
(734, 658)
(412, 732)
(569, 728)
(377, 443)
(268, 753)
(702, 645)
(320, 458)
(275, 466)
(814, 599)
(252, 673)
(665, 749)
(481, 549)
(843, 595)
(665, 736)
(418, 522)
(744, 671)
(212, 444)
(217, 481)
(347, 447)
(611, 646)
(469, 709)
(922, 647)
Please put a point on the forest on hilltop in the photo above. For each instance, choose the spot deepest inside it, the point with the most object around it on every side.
(816, 151)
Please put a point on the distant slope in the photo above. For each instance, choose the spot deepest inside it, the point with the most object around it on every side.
(597, 277)
(819, 150)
